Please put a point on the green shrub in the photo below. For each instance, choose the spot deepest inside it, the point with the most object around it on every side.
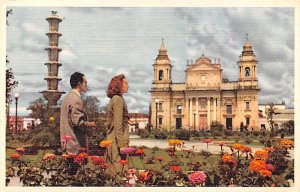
(182, 134)
(144, 133)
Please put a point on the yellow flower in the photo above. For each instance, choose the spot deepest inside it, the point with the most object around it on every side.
(105, 143)
(175, 142)
(51, 119)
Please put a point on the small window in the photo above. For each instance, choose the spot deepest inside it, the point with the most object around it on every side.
(247, 71)
(247, 120)
(160, 121)
(247, 105)
(229, 109)
(161, 75)
(160, 106)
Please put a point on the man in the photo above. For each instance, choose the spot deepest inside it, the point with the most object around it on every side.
(73, 119)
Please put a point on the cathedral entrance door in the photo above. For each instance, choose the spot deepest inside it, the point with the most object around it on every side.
(229, 123)
(203, 121)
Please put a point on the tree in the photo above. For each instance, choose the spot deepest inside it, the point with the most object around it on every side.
(97, 114)
(270, 112)
(10, 82)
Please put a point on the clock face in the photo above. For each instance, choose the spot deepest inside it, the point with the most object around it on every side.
(203, 77)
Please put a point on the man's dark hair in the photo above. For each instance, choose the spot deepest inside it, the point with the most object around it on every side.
(75, 79)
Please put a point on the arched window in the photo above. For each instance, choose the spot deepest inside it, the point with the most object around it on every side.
(160, 75)
(247, 71)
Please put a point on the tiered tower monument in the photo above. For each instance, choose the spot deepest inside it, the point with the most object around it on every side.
(52, 94)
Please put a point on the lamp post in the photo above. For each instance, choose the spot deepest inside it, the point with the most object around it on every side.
(156, 108)
(194, 121)
(16, 120)
(179, 113)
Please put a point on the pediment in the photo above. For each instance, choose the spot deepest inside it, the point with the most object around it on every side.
(204, 67)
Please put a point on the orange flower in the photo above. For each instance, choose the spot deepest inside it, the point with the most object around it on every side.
(105, 143)
(175, 168)
(246, 149)
(285, 143)
(265, 173)
(16, 156)
(261, 155)
(49, 157)
(227, 158)
(221, 143)
(257, 165)
(269, 149)
(237, 146)
(123, 162)
(140, 151)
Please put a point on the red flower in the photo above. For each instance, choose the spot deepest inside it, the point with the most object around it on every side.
(97, 160)
(103, 166)
(81, 157)
(16, 156)
(207, 140)
(123, 162)
(270, 167)
(175, 168)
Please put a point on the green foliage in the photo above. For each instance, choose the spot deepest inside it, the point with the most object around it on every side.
(182, 134)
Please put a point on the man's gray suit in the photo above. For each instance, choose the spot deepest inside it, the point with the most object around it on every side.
(73, 121)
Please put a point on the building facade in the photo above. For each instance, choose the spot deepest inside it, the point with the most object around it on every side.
(281, 115)
(205, 96)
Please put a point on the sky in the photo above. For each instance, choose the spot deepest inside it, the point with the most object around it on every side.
(104, 42)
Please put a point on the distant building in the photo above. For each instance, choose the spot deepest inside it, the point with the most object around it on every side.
(280, 116)
(205, 96)
(137, 121)
(24, 123)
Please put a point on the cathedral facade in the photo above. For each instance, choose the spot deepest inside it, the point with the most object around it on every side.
(205, 97)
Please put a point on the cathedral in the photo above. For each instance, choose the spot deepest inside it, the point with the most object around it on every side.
(205, 97)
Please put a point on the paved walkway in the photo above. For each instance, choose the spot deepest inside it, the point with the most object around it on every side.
(198, 145)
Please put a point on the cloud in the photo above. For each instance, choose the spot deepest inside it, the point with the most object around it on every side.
(104, 42)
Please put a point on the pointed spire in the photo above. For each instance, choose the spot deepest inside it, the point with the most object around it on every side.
(162, 51)
(162, 47)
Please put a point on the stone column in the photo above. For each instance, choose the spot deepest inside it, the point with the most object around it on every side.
(215, 109)
(191, 112)
(186, 112)
(208, 113)
(197, 114)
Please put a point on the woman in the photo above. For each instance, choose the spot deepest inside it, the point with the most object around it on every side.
(118, 117)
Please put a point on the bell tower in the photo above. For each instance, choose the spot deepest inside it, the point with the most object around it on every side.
(162, 67)
(247, 65)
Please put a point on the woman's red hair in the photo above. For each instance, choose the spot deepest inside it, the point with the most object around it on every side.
(115, 86)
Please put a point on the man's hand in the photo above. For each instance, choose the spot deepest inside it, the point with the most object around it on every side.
(90, 124)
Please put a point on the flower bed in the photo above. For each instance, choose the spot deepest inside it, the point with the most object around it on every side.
(175, 166)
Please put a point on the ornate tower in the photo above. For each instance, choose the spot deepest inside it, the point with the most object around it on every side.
(52, 94)
(162, 67)
(248, 90)
(247, 64)
(161, 90)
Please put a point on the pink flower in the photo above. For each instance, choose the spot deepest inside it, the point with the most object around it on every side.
(66, 138)
(270, 167)
(207, 140)
(197, 177)
(127, 150)
(221, 143)
(20, 150)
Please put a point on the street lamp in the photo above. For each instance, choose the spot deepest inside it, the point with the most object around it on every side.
(16, 120)
(179, 113)
(156, 108)
(194, 122)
